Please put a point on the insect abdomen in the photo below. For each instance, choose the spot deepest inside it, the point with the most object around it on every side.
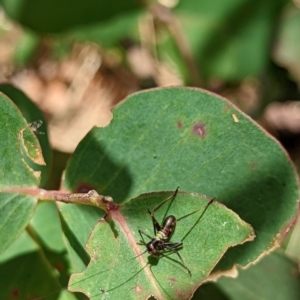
(160, 235)
(168, 226)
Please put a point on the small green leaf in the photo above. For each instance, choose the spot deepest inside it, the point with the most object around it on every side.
(15, 171)
(31, 113)
(15, 154)
(119, 268)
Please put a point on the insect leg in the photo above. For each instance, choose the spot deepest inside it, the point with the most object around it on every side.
(166, 200)
(205, 208)
(190, 273)
(172, 247)
(145, 234)
(156, 226)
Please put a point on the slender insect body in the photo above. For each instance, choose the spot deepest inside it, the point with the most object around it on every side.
(168, 226)
(160, 243)
(161, 235)
(156, 245)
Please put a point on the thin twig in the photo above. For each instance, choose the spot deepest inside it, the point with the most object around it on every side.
(90, 198)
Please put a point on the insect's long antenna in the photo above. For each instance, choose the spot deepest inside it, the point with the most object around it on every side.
(205, 208)
(66, 288)
(166, 200)
(212, 200)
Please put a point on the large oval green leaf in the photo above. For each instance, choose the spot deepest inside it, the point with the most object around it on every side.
(163, 138)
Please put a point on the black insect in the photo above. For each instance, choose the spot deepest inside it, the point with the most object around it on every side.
(160, 244)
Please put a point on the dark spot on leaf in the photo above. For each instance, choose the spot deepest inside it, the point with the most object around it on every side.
(253, 166)
(179, 124)
(83, 188)
(15, 293)
(172, 279)
(59, 266)
(199, 130)
(138, 289)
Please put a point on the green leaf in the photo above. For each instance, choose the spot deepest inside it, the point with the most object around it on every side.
(39, 15)
(209, 291)
(15, 213)
(163, 138)
(31, 113)
(19, 153)
(45, 226)
(274, 277)
(108, 33)
(119, 268)
(25, 273)
(218, 44)
(45, 223)
(17, 142)
(78, 223)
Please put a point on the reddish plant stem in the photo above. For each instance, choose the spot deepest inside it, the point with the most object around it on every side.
(90, 198)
